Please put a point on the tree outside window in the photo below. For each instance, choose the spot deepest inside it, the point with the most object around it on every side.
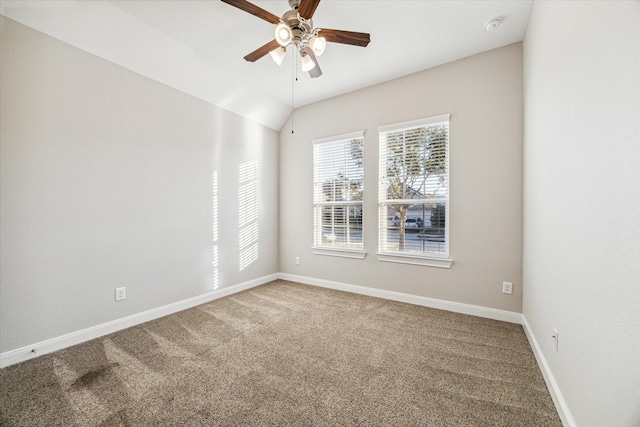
(413, 187)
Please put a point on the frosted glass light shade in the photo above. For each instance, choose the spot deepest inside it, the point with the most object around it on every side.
(278, 55)
(306, 63)
(283, 34)
(318, 45)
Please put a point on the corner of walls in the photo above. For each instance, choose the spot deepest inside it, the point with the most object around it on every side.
(552, 385)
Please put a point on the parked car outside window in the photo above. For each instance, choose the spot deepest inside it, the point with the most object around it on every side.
(413, 223)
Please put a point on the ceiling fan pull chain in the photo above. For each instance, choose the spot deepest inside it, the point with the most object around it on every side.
(294, 79)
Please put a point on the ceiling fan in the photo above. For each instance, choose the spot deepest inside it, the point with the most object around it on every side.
(295, 28)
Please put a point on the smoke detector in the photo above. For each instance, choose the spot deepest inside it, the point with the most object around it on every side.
(493, 24)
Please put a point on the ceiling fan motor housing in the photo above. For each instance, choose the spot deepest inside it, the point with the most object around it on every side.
(295, 21)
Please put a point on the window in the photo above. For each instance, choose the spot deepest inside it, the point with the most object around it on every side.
(338, 193)
(414, 192)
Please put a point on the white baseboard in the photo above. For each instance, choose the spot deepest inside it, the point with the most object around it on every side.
(64, 341)
(552, 385)
(456, 307)
(58, 343)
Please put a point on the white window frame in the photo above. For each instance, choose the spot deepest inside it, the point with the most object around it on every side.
(407, 256)
(331, 250)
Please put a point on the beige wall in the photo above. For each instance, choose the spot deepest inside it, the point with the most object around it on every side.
(483, 94)
(106, 181)
(582, 204)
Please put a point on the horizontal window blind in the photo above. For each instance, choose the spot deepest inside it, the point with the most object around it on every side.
(413, 189)
(338, 191)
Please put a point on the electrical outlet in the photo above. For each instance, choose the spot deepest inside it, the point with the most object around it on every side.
(297, 260)
(555, 337)
(121, 293)
(507, 288)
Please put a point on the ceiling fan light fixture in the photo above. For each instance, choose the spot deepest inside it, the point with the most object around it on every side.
(296, 28)
(318, 45)
(278, 54)
(306, 63)
(283, 34)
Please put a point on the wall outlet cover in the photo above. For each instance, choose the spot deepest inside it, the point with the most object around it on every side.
(507, 288)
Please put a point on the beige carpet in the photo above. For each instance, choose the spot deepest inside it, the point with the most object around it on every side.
(288, 354)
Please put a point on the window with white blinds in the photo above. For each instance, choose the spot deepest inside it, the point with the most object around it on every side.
(338, 192)
(413, 191)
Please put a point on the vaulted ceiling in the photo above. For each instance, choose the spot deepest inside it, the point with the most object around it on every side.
(197, 46)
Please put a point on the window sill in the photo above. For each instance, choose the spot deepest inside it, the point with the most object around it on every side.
(416, 260)
(342, 253)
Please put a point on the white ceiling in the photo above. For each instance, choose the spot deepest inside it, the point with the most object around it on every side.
(197, 46)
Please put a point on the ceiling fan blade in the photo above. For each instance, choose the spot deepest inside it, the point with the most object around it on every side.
(262, 51)
(307, 8)
(254, 10)
(345, 37)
